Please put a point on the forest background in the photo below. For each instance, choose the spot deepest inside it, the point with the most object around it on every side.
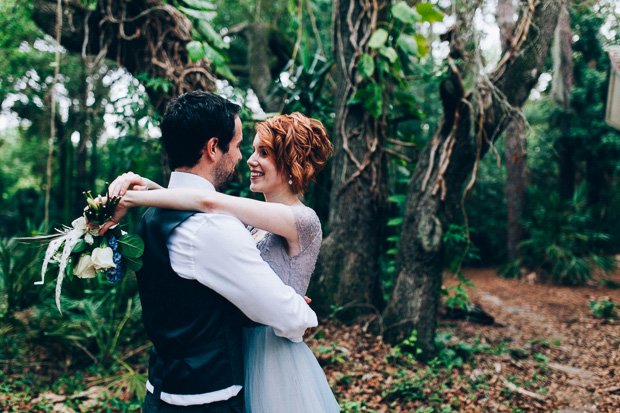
(466, 134)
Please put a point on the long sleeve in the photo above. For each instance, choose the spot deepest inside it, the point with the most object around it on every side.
(218, 251)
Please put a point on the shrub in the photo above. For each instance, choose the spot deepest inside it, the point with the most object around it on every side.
(603, 308)
(562, 243)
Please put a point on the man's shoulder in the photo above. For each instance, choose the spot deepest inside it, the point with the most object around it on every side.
(214, 223)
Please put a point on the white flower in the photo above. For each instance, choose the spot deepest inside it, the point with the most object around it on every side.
(84, 267)
(102, 258)
(93, 232)
(89, 239)
(80, 224)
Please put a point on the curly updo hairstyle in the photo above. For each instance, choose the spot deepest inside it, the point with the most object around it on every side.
(299, 145)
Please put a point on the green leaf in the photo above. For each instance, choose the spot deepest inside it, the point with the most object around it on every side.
(200, 4)
(79, 246)
(408, 44)
(378, 39)
(398, 199)
(213, 37)
(131, 246)
(158, 83)
(366, 65)
(401, 11)
(395, 222)
(195, 50)
(213, 55)
(133, 264)
(383, 66)
(422, 44)
(198, 14)
(354, 100)
(389, 53)
(225, 72)
(429, 13)
(392, 251)
(408, 104)
(370, 97)
(393, 238)
(69, 268)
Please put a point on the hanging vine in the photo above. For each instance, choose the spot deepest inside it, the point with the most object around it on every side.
(147, 37)
(383, 54)
(50, 153)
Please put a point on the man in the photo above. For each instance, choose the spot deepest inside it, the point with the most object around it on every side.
(202, 273)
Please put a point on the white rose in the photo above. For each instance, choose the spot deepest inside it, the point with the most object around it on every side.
(80, 224)
(84, 267)
(103, 258)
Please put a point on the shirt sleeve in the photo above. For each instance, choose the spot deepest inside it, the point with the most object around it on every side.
(218, 251)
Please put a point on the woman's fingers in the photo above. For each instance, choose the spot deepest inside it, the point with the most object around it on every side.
(125, 182)
(105, 227)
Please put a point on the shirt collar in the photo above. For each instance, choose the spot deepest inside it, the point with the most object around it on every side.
(189, 180)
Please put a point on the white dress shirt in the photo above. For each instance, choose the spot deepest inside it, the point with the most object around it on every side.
(218, 251)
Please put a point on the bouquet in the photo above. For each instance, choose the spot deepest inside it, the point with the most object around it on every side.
(83, 253)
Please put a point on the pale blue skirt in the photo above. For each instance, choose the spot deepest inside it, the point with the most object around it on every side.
(282, 376)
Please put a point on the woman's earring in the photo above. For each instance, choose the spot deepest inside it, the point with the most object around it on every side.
(290, 181)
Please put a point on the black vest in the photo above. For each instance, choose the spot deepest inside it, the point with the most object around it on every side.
(196, 333)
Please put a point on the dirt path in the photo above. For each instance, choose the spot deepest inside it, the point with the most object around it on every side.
(583, 352)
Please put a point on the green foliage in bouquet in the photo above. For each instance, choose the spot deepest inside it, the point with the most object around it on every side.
(98, 211)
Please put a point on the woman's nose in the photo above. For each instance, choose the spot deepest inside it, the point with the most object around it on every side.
(251, 159)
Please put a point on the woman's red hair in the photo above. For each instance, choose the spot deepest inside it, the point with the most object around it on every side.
(300, 147)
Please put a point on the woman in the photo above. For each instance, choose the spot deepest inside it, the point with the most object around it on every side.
(289, 150)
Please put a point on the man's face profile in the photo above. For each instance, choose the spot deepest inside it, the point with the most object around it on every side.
(225, 166)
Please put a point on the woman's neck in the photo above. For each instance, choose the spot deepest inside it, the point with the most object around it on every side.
(283, 196)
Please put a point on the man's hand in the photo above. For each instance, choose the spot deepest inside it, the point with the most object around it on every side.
(308, 301)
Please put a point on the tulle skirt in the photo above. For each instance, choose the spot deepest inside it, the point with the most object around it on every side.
(282, 376)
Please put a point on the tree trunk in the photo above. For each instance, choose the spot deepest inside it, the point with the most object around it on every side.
(505, 21)
(515, 156)
(516, 180)
(472, 120)
(144, 36)
(257, 35)
(347, 273)
(84, 128)
(563, 81)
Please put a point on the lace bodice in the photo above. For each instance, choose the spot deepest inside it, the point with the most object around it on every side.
(295, 271)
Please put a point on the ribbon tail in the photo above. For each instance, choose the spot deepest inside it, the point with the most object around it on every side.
(61, 275)
(49, 253)
(70, 240)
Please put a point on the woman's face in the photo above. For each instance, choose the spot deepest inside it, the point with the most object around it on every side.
(264, 175)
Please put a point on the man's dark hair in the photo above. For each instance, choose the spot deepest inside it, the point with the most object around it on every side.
(191, 120)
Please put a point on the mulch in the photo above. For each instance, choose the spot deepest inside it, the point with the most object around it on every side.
(545, 352)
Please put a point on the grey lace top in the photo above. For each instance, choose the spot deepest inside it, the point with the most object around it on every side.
(295, 271)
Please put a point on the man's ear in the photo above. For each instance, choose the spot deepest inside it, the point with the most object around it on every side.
(210, 148)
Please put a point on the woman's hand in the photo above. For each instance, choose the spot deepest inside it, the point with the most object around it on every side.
(119, 213)
(130, 181)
